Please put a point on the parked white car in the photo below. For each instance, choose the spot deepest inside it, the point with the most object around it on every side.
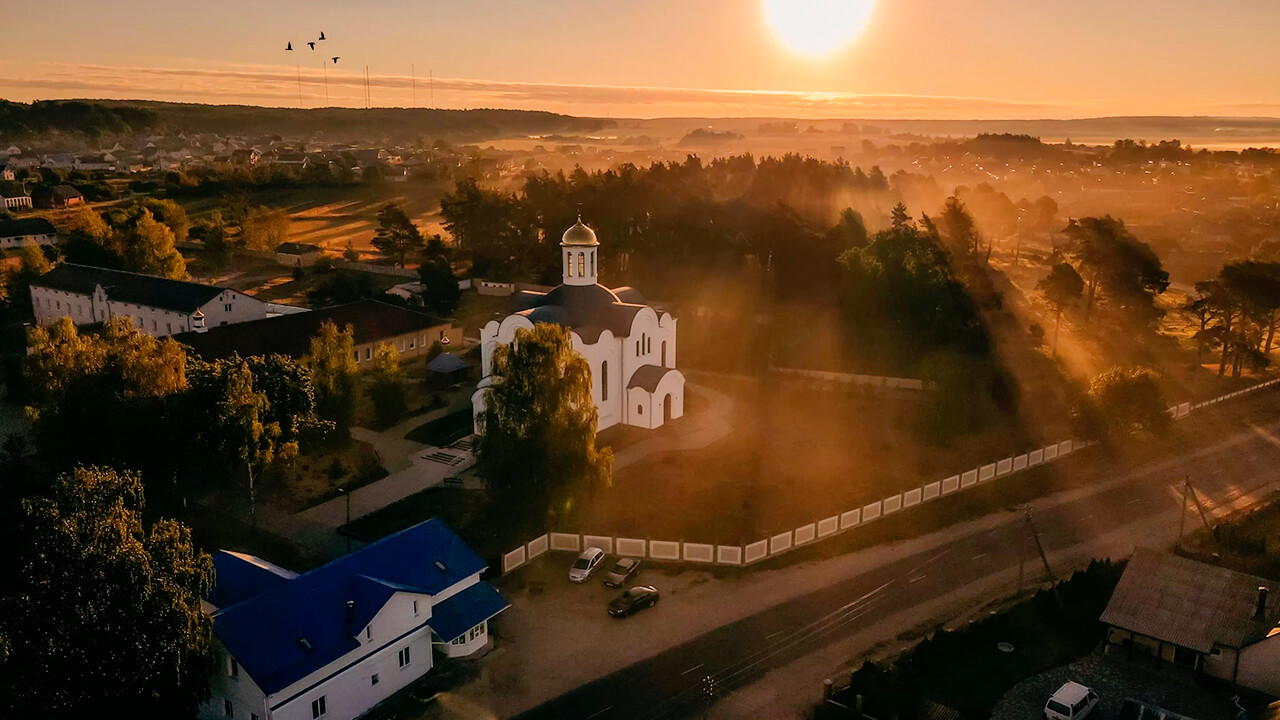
(1072, 702)
(586, 565)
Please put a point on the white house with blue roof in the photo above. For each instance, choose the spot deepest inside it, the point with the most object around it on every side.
(334, 642)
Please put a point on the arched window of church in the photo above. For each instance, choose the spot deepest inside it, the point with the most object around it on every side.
(593, 263)
(582, 264)
(568, 264)
(604, 381)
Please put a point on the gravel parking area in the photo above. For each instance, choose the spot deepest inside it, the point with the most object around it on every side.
(1114, 680)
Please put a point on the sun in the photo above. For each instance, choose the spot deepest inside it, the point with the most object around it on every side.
(817, 28)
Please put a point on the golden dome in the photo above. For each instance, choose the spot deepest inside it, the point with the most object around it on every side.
(579, 235)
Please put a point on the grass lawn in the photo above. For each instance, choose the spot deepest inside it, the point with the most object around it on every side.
(795, 455)
(315, 477)
(1248, 542)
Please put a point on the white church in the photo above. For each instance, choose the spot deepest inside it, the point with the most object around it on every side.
(629, 346)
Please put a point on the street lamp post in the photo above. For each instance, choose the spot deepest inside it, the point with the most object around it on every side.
(347, 495)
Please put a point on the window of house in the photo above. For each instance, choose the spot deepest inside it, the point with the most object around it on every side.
(168, 327)
(476, 632)
(318, 708)
(637, 348)
(155, 325)
(356, 356)
(413, 343)
(227, 307)
(233, 668)
(415, 607)
(648, 345)
(373, 679)
(461, 639)
(639, 409)
(368, 632)
(368, 353)
(403, 657)
(59, 304)
(227, 709)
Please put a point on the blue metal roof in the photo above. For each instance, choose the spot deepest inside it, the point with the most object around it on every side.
(446, 363)
(263, 632)
(239, 577)
(456, 615)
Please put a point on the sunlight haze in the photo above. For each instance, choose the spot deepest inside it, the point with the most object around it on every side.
(914, 58)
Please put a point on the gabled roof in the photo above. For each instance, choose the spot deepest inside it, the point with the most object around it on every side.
(26, 226)
(1189, 603)
(291, 334)
(454, 616)
(148, 290)
(297, 248)
(265, 631)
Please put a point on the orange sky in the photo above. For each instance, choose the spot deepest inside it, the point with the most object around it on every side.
(650, 58)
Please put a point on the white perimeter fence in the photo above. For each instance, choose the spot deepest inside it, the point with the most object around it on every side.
(739, 555)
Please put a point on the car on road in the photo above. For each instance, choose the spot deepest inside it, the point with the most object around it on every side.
(586, 565)
(622, 571)
(1072, 702)
(633, 600)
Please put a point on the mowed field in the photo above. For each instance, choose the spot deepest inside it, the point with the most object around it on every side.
(332, 217)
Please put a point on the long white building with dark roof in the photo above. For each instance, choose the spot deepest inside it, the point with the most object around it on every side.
(158, 306)
(629, 346)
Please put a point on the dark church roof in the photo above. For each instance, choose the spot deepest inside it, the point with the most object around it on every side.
(587, 309)
(647, 377)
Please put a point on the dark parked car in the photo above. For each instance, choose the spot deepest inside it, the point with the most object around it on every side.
(622, 571)
(637, 598)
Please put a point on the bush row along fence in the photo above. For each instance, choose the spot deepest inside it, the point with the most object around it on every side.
(828, 527)
(822, 377)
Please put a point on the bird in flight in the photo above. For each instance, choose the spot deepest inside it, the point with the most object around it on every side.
(321, 34)
(313, 45)
(290, 46)
(335, 61)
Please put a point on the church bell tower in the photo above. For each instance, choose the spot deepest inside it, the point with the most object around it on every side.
(578, 248)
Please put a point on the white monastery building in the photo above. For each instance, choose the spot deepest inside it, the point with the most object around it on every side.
(629, 346)
(334, 642)
(158, 306)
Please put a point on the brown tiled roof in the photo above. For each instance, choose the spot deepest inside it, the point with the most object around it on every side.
(371, 321)
(1190, 604)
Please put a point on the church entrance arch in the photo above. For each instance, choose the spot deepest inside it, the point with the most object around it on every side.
(666, 409)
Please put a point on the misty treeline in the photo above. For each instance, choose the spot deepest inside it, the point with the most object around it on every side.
(93, 119)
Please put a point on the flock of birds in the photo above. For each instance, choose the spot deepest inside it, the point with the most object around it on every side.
(312, 44)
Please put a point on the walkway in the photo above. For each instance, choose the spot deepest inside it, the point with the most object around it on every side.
(689, 433)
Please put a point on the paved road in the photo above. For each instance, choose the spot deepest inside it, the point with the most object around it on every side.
(672, 684)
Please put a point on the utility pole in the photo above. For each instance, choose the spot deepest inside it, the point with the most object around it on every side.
(1189, 491)
(1039, 547)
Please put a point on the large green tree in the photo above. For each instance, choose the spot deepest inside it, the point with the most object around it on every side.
(334, 374)
(1127, 270)
(538, 441)
(97, 608)
(1062, 288)
(386, 386)
(1122, 401)
(397, 236)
